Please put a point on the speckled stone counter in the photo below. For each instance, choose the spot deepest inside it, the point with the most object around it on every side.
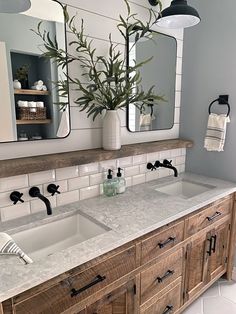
(131, 215)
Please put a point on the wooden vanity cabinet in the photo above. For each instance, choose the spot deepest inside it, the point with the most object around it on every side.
(119, 301)
(160, 273)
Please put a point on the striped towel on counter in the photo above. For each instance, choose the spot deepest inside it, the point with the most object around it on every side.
(9, 247)
(216, 132)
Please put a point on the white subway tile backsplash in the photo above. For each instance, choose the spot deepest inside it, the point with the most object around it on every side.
(143, 168)
(13, 183)
(139, 159)
(85, 170)
(180, 160)
(152, 175)
(82, 182)
(125, 162)
(153, 157)
(67, 198)
(78, 183)
(41, 177)
(38, 206)
(66, 173)
(97, 178)
(165, 154)
(107, 164)
(89, 192)
(141, 178)
(15, 211)
(131, 171)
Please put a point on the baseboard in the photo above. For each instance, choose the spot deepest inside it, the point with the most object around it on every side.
(234, 274)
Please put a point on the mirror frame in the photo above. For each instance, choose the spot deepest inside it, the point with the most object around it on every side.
(127, 66)
(69, 109)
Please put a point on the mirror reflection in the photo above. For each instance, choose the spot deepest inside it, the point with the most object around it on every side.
(160, 72)
(30, 106)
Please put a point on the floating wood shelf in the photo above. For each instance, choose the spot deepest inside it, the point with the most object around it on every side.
(14, 167)
(21, 122)
(30, 92)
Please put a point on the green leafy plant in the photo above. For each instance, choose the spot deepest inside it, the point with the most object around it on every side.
(22, 73)
(110, 84)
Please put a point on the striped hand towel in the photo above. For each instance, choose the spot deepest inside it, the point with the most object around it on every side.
(216, 132)
(8, 246)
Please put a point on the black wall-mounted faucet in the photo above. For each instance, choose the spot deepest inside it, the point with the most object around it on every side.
(166, 164)
(35, 192)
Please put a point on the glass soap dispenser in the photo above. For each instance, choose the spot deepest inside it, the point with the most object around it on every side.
(109, 185)
(120, 182)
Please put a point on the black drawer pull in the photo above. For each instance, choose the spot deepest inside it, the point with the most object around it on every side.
(167, 274)
(163, 244)
(97, 280)
(169, 309)
(214, 238)
(210, 247)
(216, 215)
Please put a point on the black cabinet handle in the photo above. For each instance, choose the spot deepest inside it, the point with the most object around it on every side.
(97, 280)
(167, 274)
(210, 247)
(214, 238)
(216, 215)
(163, 244)
(168, 309)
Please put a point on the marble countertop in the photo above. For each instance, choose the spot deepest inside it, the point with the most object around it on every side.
(128, 216)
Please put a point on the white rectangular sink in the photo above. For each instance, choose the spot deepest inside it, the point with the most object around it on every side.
(55, 236)
(184, 188)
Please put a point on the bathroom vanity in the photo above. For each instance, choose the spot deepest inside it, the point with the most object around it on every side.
(161, 253)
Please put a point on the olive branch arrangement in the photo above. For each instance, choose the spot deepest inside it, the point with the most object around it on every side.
(110, 85)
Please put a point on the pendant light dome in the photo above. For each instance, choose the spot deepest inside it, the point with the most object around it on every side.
(14, 6)
(178, 15)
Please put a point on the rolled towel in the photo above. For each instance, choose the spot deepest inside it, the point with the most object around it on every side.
(36, 87)
(216, 132)
(22, 104)
(9, 247)
(44, 88)
(39, 82)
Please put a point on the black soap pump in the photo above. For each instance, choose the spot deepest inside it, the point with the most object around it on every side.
(109, 185)
(120, 182)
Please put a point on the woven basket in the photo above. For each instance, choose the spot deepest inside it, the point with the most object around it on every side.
(32, 113)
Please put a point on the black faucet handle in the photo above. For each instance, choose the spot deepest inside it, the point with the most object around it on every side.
(167, 162)
(16, 197)
(151, 167)
(53, 189)
(157, 164)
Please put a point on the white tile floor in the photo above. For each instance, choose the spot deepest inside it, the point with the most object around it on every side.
(219, 299)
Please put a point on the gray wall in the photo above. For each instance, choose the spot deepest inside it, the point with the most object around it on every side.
(209, 69)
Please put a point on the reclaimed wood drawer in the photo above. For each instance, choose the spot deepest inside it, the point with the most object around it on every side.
(161, 242)
(160, 275)
(208, 216)
(67, 293)
(169, 303)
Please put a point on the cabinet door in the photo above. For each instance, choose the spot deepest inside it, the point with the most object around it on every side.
(219, 251)
(119, 301)
(197, 264)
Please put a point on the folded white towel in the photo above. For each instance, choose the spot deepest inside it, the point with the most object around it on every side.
(40, 83)
(64, 127)
(216, 132)
(9, 247)
(36, 87)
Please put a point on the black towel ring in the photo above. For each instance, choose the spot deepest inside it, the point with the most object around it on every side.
(221, 101)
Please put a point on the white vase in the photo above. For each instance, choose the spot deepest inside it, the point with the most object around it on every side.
(111, 133)
(17, 84)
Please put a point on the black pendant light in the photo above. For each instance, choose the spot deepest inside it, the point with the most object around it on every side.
(14, 6)
(178, 15)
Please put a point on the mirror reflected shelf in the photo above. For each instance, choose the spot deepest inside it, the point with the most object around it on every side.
(29, 106)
